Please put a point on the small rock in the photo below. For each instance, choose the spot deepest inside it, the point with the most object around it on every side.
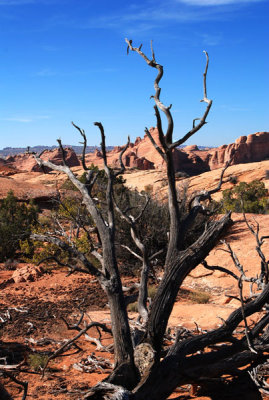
(28, 273)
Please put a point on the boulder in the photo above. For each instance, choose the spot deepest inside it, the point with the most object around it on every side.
(29, 273)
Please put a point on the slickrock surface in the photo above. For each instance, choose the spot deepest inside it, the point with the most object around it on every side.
(26, 191)
(141, 180)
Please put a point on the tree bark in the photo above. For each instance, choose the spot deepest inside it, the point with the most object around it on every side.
(178, 266)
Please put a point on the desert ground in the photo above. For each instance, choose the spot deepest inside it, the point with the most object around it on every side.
(39, 305)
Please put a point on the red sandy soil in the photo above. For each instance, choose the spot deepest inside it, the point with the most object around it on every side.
(55, 295)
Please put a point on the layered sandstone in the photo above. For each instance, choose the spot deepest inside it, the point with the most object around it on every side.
(139, 155)
(246, 149)
(26, 162)
(142, 154)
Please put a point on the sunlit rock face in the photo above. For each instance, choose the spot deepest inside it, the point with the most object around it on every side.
(190, 159)
(246, 149)
(26, 162)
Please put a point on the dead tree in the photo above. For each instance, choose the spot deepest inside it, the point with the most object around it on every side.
(185, 362)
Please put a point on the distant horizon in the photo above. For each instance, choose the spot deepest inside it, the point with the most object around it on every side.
(64, 60)
(111, 146)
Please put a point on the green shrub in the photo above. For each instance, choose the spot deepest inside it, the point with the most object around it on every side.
(16, 222)
(252, 197)
(37, 361)
(233, 179)
(199, 297)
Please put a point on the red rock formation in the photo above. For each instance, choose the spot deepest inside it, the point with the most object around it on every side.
(26, 162)
(192, 147)
(142, 155)
(246, 149)
(25, 191)
(251, 148)
(6, 170)
(131, 160)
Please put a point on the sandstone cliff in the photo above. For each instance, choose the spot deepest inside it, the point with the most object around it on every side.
(246, 149)
(251, 148)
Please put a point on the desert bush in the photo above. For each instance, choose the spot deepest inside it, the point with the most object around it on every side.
(70, 216)
(233, 179)
(37, 361)
(267, 174)
(149, 227)
(153, 228)
(252, 197)
(16, 222)
(148, 188)
(199, 297)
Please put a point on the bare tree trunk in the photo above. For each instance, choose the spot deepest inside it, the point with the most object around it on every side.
(109, 278)
(186, 361)
(178, 266)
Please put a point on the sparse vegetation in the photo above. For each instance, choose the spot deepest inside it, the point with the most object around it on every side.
(37, 361)
(251, 197)
(199, 297)
(152, 291)
(16, 222)
(181, 235)
(233, 179)
(148, 188)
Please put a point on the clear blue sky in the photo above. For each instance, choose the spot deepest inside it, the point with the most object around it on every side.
(64, 60)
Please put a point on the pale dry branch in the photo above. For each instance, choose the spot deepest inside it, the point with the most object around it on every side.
(68, 343)
(166, 110)
(202, 122)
